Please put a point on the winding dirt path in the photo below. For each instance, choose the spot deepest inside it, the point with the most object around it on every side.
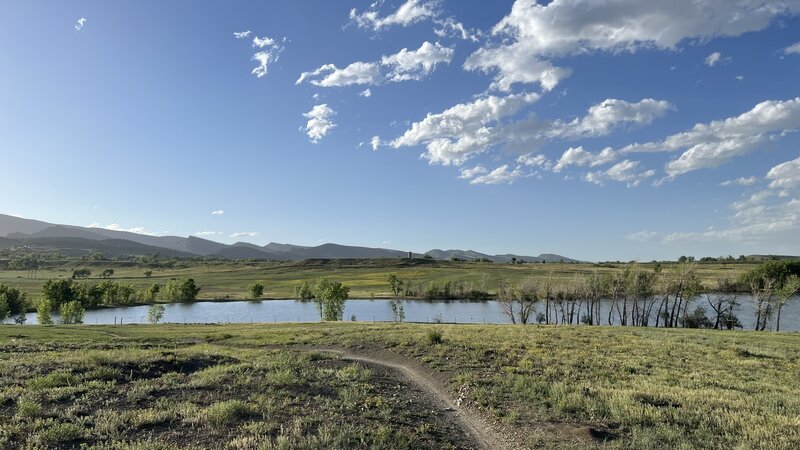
(413, 372)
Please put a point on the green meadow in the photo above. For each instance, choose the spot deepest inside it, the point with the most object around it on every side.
(366, 278)
(278, 386)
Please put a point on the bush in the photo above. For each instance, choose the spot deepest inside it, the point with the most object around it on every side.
(434, 337)
(697, 319)
(44, 312)
(181, 290)
(256, 290)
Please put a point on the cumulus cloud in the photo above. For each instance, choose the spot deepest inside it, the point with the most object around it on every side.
(80, 23)
(241, 34)
(466, 174)
(709, 145)
(793, 49)
(319, 122)
(218, 212)
(742, 181)
(626, 171)
(464, 130)
(450, 27)
(604, 116)
(785, 176)
(401, 66)
(577, 156)
(242, 234)
(501, 175)
(532, 33)
(410, 12)
(366, 93)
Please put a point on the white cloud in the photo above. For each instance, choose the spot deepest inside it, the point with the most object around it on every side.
(218, 212)
(416, 64)
(366, 93)
(742, 181)
(265, 57)
(263, 42)
(207, 233)
(609, 113)
(626, 171)
(401, 66)
(356, 73)
(244, 234)
(466, 174)
(533, 160)
(408, 13)
(785, 176)
(501, 175)
(740, 77)
(375, 142)
(449, 27)
(319, 122)
(793, 49)
(532, 33)
(80, 23)
(241, 34)
(713, 59)
(709, 145)
(577, 156)
(464, 130)
(118, 227)
(642, 236)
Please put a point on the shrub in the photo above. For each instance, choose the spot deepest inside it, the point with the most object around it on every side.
(434, 337)
(256, 290)
(44, 312)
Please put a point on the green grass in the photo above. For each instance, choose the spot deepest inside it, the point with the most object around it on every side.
(556, 387)
(366, 278)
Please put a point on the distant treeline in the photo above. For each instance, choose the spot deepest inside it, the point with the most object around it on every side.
(636, 293)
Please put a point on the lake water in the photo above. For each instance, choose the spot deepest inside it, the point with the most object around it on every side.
(365, 311)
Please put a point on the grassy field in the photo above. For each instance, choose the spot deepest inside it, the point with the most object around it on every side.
(270, 386)
(367, 278)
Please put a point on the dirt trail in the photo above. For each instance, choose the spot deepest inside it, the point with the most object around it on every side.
(416, 374)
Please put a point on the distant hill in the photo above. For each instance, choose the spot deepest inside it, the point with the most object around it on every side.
(73, 240)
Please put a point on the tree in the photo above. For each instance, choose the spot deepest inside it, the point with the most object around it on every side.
(72, 313)
(395, 284)
(152, 292)
(148, 273)
(256, 290)
(107, 273)
(181, 290)
(330, 297)
(5, 310)
(58, 292)
(83, 272)
(44, 312)
(789, 288)
(155, 313)
(517, 303)
(304, 291)
(398, 311)
(16, 302)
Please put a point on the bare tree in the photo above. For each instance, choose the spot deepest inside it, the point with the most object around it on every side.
(789, 288)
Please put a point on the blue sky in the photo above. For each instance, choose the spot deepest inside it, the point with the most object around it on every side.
(598, 130)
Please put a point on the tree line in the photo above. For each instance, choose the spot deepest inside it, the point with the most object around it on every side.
(661, 298)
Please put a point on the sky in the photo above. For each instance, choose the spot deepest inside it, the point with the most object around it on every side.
(595, 129)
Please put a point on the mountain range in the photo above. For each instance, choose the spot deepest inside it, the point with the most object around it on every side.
(70, 240)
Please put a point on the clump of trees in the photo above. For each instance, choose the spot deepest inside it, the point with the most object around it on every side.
(181, 290)
(13, 303)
